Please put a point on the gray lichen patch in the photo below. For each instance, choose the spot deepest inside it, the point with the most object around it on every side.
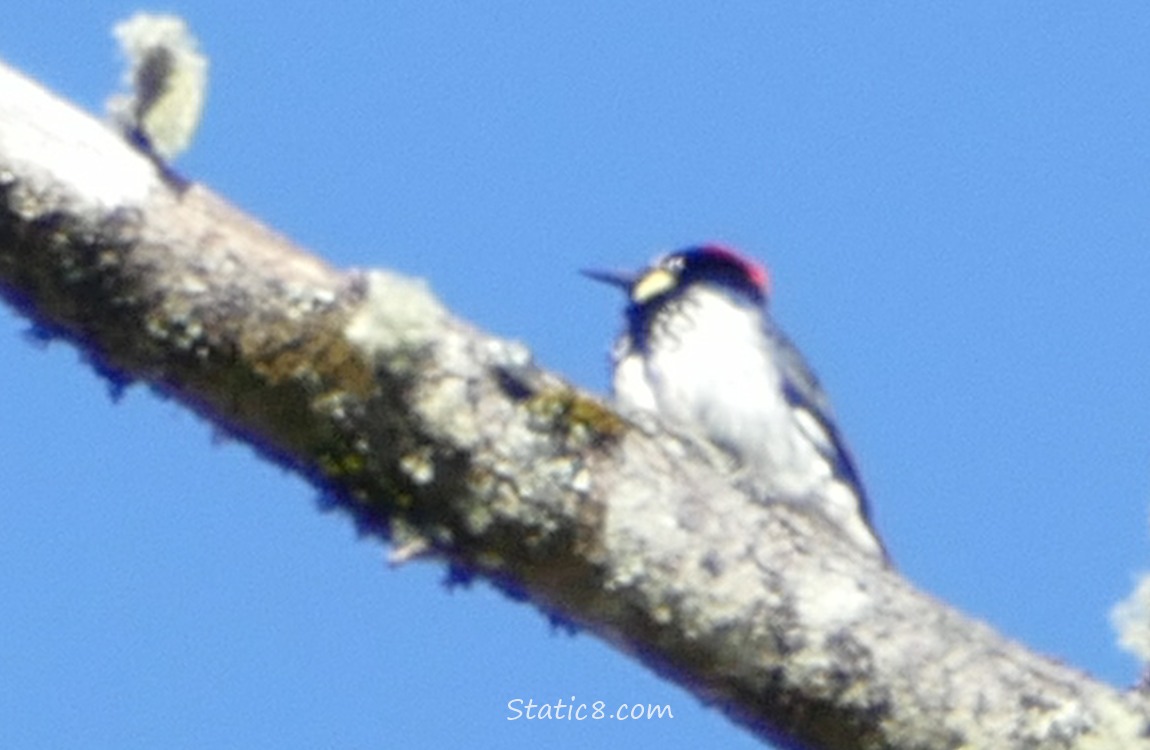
(398, 319)
(167, 81)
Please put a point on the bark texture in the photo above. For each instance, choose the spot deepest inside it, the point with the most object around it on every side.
(452, 443)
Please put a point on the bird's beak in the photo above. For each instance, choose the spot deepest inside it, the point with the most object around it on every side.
(621, 279)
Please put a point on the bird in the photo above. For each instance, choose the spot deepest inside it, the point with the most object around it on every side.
(700, 350)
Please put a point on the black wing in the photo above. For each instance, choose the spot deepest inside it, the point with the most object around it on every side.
(802, 390)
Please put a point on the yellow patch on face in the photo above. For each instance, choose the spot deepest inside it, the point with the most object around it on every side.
(655, 282)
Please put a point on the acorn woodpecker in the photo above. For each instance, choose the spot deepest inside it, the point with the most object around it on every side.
(700, 351)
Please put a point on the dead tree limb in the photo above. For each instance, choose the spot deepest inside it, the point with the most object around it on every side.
(451, 443)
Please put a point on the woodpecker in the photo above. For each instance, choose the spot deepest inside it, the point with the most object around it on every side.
(700, 351)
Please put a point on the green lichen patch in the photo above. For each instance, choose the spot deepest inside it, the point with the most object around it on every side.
(580, 419)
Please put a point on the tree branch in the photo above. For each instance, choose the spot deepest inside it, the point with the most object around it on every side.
(450, 442)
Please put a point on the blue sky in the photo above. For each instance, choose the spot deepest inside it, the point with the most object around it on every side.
(955, 206)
